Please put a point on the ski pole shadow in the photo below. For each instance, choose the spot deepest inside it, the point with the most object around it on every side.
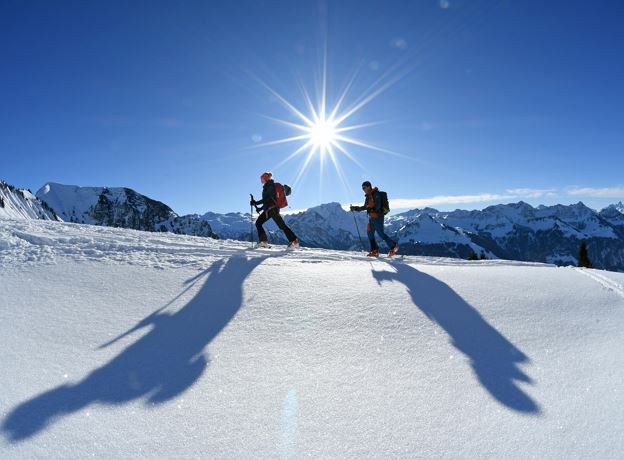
(493, 358)
(158, 366)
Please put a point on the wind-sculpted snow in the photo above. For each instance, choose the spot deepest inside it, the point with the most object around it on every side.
(158, 366)
(125, 344)
(26, 241)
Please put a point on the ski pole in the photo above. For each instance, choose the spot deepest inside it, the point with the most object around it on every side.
(251, 238)
(358, 230)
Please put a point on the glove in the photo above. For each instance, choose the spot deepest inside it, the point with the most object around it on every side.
(252, 202)
(354, 208)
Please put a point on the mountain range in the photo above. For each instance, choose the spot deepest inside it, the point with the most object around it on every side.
(118, 207)
(515, 231)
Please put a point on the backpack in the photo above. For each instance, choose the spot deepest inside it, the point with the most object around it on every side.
(281, 192)
(385, 205)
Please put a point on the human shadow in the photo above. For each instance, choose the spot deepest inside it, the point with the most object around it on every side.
(159, 366)
(493, 358)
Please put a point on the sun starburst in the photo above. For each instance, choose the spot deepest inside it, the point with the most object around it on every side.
(324, 132)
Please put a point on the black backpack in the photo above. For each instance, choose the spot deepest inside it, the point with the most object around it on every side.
(385, 205)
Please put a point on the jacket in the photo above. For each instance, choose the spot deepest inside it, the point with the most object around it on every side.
(372, 204)
(269, 196)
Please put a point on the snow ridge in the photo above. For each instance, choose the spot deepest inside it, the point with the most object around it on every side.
(22, 204)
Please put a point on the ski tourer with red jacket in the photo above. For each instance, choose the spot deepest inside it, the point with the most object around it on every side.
(373, 206)
(270, 210)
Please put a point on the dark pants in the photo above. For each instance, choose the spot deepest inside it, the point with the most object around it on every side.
(274, 214)
(376, 224)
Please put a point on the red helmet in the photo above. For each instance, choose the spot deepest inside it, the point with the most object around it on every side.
(265, 177)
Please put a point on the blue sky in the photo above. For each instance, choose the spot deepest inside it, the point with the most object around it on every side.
(471, 102)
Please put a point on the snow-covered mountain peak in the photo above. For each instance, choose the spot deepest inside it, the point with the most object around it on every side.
(119, 207)
(115, 206)
(233, 225)
(574, 212)
(512, 210)
(413, 213)
(22, 204)
(328, 210)
(614, 214)
(614, 208)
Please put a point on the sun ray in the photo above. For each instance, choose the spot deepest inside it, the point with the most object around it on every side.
(293, 155)
(288, 123)
(339, 171)
(357, 142)
(303, 168)
(281, 141)
(354, 127)
(287, 104)
(372, 96)
(324, 88)
(346, 153)
(344, 94)
(322, 124)
(308, 100)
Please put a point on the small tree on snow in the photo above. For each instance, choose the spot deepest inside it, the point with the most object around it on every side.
(583, 259)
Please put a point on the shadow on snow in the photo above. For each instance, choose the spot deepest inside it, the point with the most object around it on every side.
(493, 358)
(162, 364)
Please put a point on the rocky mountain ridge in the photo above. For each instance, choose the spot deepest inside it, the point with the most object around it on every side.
(516, 231)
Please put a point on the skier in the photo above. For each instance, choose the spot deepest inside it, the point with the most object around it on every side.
(373, 206)
(270, 210)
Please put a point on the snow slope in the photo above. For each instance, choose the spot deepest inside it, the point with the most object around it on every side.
(124, 344)
(21, 204)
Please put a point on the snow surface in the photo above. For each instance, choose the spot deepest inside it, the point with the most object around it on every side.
(125, 344)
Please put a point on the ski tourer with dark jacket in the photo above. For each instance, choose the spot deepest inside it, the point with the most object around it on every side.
(373, 207)
(270, 210)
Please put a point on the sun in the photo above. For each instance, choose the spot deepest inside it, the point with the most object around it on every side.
(322, 127)
(323, 134)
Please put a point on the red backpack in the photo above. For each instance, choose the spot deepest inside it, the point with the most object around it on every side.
(281, 192)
